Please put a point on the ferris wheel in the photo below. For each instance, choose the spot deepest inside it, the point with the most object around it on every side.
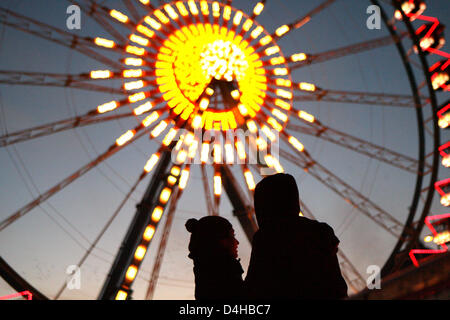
(221, 89)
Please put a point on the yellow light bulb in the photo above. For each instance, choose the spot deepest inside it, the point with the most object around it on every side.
(204, 153)
(252, 126)
(121, 295)
(136, 62)
(150, 119)
(119, 16)
(143, 108)
(237, 18)
(183, 179)
(135, 50)
(259, 7)
(157, 214)
(101, 74)
(169, 137)
(306, 116)
(131, 273)
(282, 30)
(140, 252)
(104, 42)
(151, 162)
(249, 180)
(152, 23)
(139, 40)
(240, 150)
(127, 136)
(165, 195)
(148, 233)
(217, 185)
(134, 85)
(132, 73)
(296, 144)
(106, 107)
(158, 129)
(298, 57)
(307, 86)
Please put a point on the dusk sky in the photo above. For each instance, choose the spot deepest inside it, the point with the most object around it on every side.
(41, 245)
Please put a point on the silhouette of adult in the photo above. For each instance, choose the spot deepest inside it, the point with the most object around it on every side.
(292, 257)
(213, 248)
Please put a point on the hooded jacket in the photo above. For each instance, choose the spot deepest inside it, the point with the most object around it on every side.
(292, 257)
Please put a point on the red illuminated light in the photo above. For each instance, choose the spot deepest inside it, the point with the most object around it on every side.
(429, 251)
(27, 294)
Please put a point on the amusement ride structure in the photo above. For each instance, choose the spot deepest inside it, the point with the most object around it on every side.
(213, 88)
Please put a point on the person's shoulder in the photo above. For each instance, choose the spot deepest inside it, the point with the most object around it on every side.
(321, 226)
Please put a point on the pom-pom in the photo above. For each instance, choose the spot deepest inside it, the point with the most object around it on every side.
(191, 225)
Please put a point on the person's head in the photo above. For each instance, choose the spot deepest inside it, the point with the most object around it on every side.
(276, 197)
(211, 236)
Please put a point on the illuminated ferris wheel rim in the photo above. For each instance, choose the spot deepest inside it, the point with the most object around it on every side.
(126, 138)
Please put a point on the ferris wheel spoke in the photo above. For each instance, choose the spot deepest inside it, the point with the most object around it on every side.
(353, 278)
(257, 9)
(307, 59)
(57, 126)
(285, 29)
(53, 80)
(113, 149)
(53, 34)
(105, 14)
(348, 193)
(104, 229)
(369, 98)
(91, 11)
(359, 145)
(130, 5)
(209, 204)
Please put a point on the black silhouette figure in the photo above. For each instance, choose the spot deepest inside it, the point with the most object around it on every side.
(213, 248)
(292, 257)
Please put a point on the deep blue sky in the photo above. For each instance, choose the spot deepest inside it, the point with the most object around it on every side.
(40, 250)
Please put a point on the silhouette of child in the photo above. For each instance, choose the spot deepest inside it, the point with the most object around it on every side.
(213, 249)
(292, 257)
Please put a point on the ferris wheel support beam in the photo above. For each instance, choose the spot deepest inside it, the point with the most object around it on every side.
(306, 18)
(104, 229)
(209, 203)
(56, 35)
(347, 50)
(241, 207)
(359, 145)
(58, 126)
(348, 193)
(54, 80)
(163, 244)
(135, 231)
(381, 99)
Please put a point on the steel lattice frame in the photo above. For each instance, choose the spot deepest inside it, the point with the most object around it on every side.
(173, 179)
